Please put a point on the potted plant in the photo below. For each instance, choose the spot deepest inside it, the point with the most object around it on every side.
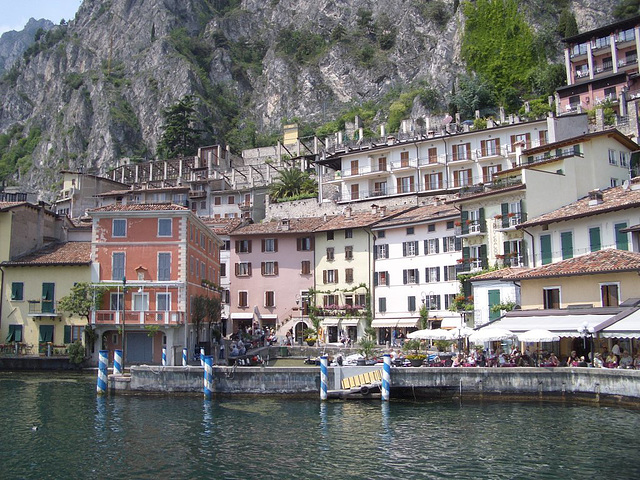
(414, 356)
(366, 348)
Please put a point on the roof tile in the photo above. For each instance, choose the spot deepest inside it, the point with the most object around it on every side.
(69, 253)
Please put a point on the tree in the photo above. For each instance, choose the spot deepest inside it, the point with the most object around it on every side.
(81, 301)
(180, 137)
(198, 314)
(627, 9)
(214, 310)
(293, 183)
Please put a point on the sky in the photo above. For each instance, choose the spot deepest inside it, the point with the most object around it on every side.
(14, 14)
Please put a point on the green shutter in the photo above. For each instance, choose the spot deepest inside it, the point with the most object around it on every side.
(67, 334)
(464, 215)
(525, 254)
(483, 223)
(545, 249)
(483, 256)
(505, 215)
(523, 213)
(622, 241)
(46, 333)
(17, 291)
(494, 299)
(507, 251)
(566, 240)
(594, 239)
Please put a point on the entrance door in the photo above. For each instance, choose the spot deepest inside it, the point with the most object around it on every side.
(139, 348)
(47, 297)
(494, 299)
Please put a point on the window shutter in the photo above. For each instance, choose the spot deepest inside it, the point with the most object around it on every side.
(485, 174)
(458, 244)
(440, 184)
(525, 254)
(427, 277)
(404, 249)
(523, 213)
(237, 246)
(275, 244)
(299, 244)
(483, 256)
(507, 251)
(469, 174)
(237, 267)
(249, 246)
(67, 334)
(426, 247)
(375, 252)
(336, 276)
(545, 249)
(483, 223)
(262, 267)
(275, 268)
(404, 277)
(382, 304)
(417, 276)
(464, 215)
(483, 148)
(386, 279)
(324, 276)
(249, 268)
(437, 274)
(437, 242)
(594, 239)
(263, 241)
(504, 208)
(416, 247)
(375, 279)
(312, 242)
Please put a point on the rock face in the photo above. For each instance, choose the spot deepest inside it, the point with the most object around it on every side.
(98, 87)
(13, 44)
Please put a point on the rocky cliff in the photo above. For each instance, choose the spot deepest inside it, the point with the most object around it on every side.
(94, 90)
(13, 44)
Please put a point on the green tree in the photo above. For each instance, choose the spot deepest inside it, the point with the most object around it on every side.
(213, 310)
(180, 137)
(627, 9)
(293, 183)
(567, 25)
(81, 301)
(198, 314)
(473, 93)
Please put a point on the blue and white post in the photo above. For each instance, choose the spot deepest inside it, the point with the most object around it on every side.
(323, 377)
(164, 356)
(202, 356)
(185, 358)
(208, 376)
(117, 362)
(386, 377)
(103, 362)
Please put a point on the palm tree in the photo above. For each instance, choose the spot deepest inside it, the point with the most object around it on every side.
(291, 183)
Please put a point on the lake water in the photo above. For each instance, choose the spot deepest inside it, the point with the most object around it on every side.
(82, 436)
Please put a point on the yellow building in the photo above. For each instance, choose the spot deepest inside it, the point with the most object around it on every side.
(31, 288)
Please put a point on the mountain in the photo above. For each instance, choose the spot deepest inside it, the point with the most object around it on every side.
(13, 44)
(94, 90)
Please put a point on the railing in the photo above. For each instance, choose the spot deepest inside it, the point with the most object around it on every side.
(42, 307)
(148, 317)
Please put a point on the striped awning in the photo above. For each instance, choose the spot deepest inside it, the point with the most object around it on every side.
(350, 322)
(394, 322)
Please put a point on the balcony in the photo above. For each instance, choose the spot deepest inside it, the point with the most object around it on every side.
(149, 317)
(193, 194)
(42, 308)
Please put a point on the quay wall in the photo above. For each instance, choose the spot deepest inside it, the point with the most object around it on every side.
(423, 382)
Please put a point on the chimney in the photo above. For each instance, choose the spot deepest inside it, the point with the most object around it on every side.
(595, 197)
(347, 212)
(383, 210)
(374, 208)
(285, 224)
(383, 131)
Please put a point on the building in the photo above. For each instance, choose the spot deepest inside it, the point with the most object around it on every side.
(81, 192)
(154, 261)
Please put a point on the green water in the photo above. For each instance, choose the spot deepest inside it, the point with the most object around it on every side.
(81, 436)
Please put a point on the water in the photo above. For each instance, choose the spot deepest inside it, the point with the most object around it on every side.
(150, 437)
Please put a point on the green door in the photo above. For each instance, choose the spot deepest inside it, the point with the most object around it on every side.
(47, 297)
(494, 299)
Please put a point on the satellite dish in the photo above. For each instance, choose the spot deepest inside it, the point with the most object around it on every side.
(625, 185)
(447, 120)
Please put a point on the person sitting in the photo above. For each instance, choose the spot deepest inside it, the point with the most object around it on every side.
(636, 362)
(626, 360)
(573, 359)
(553, 360)
(611, 361)
(597, 360)
(457, 360)
(234, 350)
(241, 348)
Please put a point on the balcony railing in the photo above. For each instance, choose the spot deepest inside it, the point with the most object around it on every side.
(42, 308)
(148, 317)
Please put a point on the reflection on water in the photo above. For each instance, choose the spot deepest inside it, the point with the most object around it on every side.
(80, 435)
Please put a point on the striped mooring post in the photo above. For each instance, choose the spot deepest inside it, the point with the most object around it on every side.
(386, 377)
(117, 362)
(102, 372)
(164, 356)
(208, 376)
(323, 377)
(202, 356)
(185, 358)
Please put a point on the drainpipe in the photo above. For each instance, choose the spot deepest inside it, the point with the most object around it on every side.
(417, 168)
(533, 247)
(1, 293)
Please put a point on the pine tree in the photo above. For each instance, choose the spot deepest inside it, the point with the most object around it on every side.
(180, 137)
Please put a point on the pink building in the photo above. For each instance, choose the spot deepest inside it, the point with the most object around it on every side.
(154, 260)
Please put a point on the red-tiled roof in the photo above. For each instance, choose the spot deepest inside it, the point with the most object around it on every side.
(424, 213)
(140, 207)
(499, 274)
(358, 219)
(222, 226)
(295, 225)
(69, 253)
(181, 188)
(9, 205)
(604, 261)
(613, 199)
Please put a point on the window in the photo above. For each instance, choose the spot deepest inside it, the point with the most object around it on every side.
(329, 300)
(450, 273)
(348, 252)
(381, 278)
(411, 276)
(432, 274)
(622, 241)
(410, 230)
(304, 243)
(164, 266)
(411, 303)
(448, 300)
(434, 181)
(404, 159)
(330, 276)
(382, 304)
(140, 302)
(163, 302)
(623, 159)
(243, 269)
(15, 334)
(450, 225)
(217, 200)
(117, 265)
(449, 244)
(595, 243)
(461, 152)
(432, 302)
(355, 192)
(613, 182)
(545, 249)
(226, 245)
(381, 234)
(243, 298)
(305, 267)
(72, 333)
(164, 227)
(514, 253)
(330, 235)
(243, 246)
(226, 297)
(489, 172)
(379, 189)
(382, 251)
(566, 242)
(354, 167)
(116, 300)
(463, 178)
(330, 254)
(551, 297)
(348, 275)
(231, 199)
(223, 269)
(269, 299)
(431, 227)
(119, 227)
(17, 291)
(433, 155)
(405, 184)
(431, 246)
(609, 293)
(382, 164)
(269, 268)
(348, 233)
(409, 249)
(490, 148)
(612, 157)
(361, 299)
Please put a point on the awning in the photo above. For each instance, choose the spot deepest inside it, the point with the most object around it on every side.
(563, 325)
(350, 322)
(451, 322)
(330, 322)
(242, 316)
(627, 327)
(269, 316)
(394, 322)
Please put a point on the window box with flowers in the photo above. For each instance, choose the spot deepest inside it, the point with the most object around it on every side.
(498, 217)
(511, 214)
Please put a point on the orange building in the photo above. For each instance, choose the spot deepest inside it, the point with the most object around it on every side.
(153, 260)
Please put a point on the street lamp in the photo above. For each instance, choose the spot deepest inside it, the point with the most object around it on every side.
(124, 290)
(299, 305)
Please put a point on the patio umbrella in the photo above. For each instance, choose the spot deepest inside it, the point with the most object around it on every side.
(430, 334)
(490, 334)
(538, 335)
(461, 332)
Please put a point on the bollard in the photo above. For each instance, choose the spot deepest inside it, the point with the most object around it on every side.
(202, 356)
(102, 372)
(208, 376)
(117, 362)
(386, 377)
(185, 359)
(164, 356)
(323, 377)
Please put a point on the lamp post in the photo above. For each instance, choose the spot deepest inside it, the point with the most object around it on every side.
(124, 350)
(298, 304)
(584, 331)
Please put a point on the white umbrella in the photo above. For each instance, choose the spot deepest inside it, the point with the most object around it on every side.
(430, 334)
(538, 335)
(461, 332)
(490, 334)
